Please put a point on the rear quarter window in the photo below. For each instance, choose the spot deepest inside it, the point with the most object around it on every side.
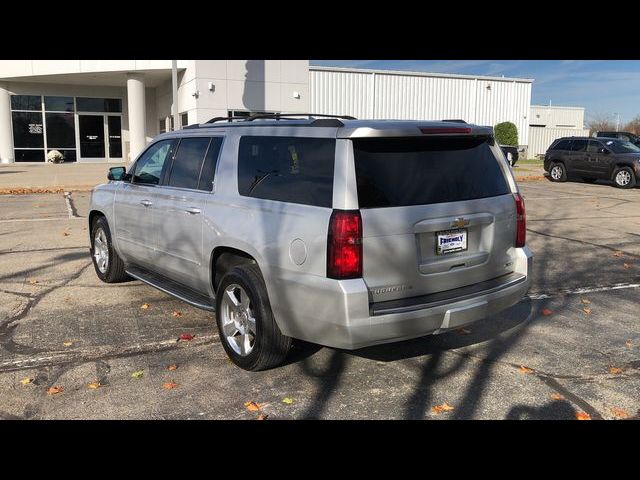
(397, 172)
(287, 169)
(562, 145)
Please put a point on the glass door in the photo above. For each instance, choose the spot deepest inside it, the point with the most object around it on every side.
(114, 130)
(92, 141)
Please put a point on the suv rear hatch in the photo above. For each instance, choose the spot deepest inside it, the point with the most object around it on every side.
(437, 212)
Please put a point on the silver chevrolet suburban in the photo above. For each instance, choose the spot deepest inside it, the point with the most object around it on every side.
(341, 232)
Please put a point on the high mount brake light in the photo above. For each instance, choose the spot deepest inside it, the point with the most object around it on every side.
(344, 245)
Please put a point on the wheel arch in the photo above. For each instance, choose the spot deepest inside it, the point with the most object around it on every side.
(224, 258)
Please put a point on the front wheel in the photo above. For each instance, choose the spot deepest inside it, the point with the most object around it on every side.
(558, 172)
(108, 264)
(623, 177)
(248, 332)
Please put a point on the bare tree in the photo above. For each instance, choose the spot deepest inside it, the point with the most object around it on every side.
(633, 126)
(600, 122)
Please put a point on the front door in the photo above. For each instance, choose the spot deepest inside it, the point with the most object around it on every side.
(100, 136)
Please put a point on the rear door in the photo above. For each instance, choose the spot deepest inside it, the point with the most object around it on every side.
(578, 162)
(598, 162)
(180, 207)
(437, 213)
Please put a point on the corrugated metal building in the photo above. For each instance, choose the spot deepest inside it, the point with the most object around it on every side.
(548, 123)
(385, 94)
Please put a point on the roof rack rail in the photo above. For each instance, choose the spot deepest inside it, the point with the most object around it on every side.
(286, 116)
(220, 119)
(454, 120)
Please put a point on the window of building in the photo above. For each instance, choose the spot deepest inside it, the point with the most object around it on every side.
(26, 102)
(99, 104)
(58, 104)
(28, 129)
(162, 125)
(61, 130)
(288, 169)
(184, 119)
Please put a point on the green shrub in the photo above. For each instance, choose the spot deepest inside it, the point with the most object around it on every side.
(506, 134)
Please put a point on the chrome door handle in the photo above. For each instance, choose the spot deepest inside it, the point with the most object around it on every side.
(192, 210)
(146, 203)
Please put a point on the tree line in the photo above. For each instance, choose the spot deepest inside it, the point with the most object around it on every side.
(605, 123)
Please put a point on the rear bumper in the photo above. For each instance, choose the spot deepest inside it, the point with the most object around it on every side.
(338, 313)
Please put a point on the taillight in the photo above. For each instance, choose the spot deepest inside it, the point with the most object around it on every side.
(344, 245)
(521, 221)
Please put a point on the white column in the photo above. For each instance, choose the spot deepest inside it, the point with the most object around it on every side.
(137, 114)
(6, 137)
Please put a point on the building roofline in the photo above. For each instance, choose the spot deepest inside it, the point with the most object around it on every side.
(418, 74)
(559, 107)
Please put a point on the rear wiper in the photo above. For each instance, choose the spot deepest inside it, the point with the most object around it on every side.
(260, 178)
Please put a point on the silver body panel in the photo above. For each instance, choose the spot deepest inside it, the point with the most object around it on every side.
(397, 243)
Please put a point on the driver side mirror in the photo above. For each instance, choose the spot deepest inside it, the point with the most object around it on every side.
(118, 174)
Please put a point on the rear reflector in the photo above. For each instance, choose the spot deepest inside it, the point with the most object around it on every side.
(344, 245)
(521, 221)
(441, 130)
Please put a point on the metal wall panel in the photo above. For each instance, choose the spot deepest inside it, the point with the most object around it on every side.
(557, 117)
(415, 96)
(540, 138)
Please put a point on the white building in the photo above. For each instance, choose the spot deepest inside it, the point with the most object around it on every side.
(548, 123)
(421, 96)
(107, 110)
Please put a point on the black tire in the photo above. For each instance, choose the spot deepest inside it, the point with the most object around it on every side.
(270, 346)
(562, 177)
(616, 179)
(589, 180)
(114, 272)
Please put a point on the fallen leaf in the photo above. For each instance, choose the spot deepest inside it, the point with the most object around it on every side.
(582, 416)
(586, 310)
(169, 385)
(557, 396)
(55, 390)
(629, 343)
(187, 337)
(94, 385)
(67, 344)
(463, 331)
(615, 370)
(33, 281)
(144, 306)
(585, 301)
(287, 400)
(523, 369)
(66, 299)
(252, 406)
(617, 253)
(137, 374)
(262, 416)
(445, 407)
(546, 312)
(177, 314)
(26, 381)
(626, 266)
(172, 367)
(66, 234)
(618, 412)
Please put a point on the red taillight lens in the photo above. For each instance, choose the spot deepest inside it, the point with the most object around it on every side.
(521, 221)
(441, 130)
(344, 246)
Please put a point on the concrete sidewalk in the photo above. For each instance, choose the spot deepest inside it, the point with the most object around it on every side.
(68, 176)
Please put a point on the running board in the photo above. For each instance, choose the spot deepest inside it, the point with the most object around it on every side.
(171, 287)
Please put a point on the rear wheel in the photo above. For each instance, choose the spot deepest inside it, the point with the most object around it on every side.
(248, 331)
(557, 172)
(106, 261)
(623, 177)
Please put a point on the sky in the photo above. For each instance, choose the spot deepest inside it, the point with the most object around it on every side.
(603, 87)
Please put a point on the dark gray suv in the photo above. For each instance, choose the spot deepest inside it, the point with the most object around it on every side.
(592, 159)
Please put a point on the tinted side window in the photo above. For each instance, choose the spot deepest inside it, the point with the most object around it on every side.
(594, 146)
(209, 167)
(288, 169)
(150, 165)
(579, 146)
(398, 172)
(187, 162)
(562, 145)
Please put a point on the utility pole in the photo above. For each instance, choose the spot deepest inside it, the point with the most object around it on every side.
(174, 105)
(617, 115)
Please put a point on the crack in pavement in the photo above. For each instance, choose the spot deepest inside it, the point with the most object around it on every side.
(583, 242)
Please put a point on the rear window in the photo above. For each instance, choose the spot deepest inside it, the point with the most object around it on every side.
(562, 145)
(287, 169)
(397, 172)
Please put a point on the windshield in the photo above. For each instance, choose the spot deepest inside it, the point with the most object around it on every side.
(621, 146)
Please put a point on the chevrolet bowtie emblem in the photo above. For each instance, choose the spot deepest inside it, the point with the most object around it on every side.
(459, 223)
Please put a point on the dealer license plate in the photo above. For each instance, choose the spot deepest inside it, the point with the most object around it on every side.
(451, 241)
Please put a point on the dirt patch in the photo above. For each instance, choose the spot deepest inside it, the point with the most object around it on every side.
(31, 190)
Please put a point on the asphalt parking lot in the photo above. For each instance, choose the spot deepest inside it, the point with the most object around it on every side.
(572, 348)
